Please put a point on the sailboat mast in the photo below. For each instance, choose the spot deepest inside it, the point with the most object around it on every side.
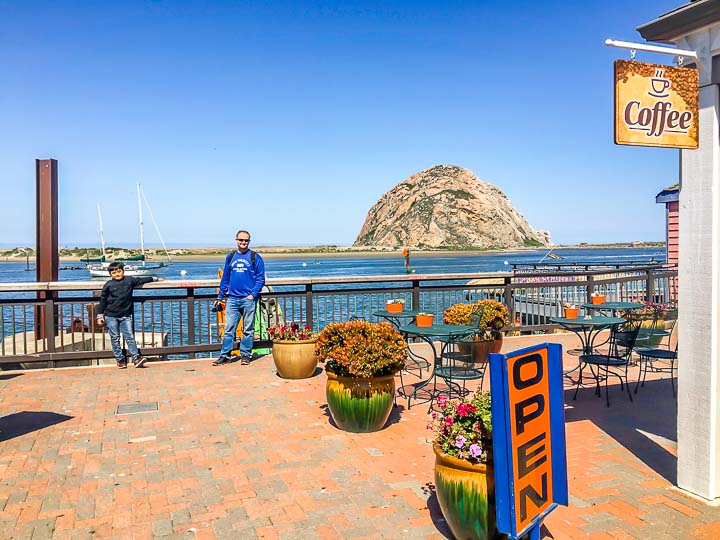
(142, 234)
(102, 236)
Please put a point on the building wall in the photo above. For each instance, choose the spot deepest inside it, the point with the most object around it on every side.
(673, 221)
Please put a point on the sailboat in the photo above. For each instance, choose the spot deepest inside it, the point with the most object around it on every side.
(134, 266)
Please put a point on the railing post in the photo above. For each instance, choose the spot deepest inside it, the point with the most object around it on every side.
(590, 289)
(650, 286)
(508, 298)
(50, 325)
(416, 294)
(191, 318)
(309, 307)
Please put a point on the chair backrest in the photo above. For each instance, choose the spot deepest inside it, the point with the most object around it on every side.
(662, 330)
(622, 338)
(476, 314)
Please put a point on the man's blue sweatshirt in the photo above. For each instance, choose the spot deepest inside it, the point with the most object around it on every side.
(240, 278)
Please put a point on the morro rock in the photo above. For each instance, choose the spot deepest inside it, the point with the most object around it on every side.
(447, 207)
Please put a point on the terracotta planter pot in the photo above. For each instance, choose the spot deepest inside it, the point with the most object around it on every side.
(394, 308)
(295, 359)
(599, 299)
(466, 494)
(497, 344)
(424, 320)
(571, 313)
(360, 405)
(480, 350)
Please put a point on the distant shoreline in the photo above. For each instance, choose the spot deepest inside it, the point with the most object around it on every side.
(211, 254)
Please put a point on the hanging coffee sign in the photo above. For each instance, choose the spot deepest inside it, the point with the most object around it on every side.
(656, 105)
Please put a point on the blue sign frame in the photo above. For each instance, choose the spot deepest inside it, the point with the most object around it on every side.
(503, 451)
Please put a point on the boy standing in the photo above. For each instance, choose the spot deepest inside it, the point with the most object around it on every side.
(242, 280)
(115, 311)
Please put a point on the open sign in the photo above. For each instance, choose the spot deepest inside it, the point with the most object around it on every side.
(528, 437)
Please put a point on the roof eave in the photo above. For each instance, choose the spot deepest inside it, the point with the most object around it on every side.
(681, 21)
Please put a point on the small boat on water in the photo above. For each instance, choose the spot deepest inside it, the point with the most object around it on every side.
(134, 266)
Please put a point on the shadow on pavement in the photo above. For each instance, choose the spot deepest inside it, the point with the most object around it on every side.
(646, 426)
(17, 424)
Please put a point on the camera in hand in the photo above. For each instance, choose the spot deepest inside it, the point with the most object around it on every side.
(217, 306)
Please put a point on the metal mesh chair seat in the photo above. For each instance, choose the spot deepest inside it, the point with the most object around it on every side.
(659, 354)
(602, 360)
(462, 373)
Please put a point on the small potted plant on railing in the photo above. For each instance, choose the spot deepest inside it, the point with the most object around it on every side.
(424, 319)
(395, 305)
(293, 350)
(361, 360)
(464, 465)
(571, 311)
(597, 298)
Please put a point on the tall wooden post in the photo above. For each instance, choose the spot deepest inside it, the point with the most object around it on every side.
(46, 244)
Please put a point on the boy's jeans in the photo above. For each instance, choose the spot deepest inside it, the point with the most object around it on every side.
(237, 307)
(115, 326)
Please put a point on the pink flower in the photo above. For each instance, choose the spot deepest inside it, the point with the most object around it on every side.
(460, 441)
(449, 420)
(442, 401)
(475, 450)
(465, 409)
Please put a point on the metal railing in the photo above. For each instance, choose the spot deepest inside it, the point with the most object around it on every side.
(173, 319)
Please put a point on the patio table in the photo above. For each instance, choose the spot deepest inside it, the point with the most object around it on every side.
(614, 307)
(395, 318)
(426, 334)
(587, 329)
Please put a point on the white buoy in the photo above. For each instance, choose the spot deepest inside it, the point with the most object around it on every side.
(304, 264)
(183, 272)
(505, 263)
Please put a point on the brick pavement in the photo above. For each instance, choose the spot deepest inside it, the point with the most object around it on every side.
(236, 452)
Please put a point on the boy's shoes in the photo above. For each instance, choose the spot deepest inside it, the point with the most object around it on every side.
(139, 361)
(222, 360)
(121, 364)
(245, 360)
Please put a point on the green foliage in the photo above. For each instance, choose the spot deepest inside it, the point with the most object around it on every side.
(531, 242)
(361, 349)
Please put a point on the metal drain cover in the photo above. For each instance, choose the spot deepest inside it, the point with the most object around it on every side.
(133, 408)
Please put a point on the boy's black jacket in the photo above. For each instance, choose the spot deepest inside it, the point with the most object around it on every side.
(116, 296)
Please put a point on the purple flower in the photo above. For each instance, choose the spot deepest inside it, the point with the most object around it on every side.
(475, 450)
(460, 442)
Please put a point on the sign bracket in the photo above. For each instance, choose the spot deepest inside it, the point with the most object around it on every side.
(634, 47)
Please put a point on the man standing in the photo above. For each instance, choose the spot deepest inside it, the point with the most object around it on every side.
(243, 278)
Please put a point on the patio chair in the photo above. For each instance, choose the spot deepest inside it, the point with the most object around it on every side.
(463, 359)
(476, 315)
(615, 362)
(660, 359)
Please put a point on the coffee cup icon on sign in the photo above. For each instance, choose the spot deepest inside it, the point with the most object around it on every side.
(659, 85)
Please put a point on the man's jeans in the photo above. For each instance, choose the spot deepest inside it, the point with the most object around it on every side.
(116, 326)
(235, 308)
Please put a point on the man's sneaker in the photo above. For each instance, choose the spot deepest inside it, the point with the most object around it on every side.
(121, 364)
(139, 361)
(245, 360)
(222, 360)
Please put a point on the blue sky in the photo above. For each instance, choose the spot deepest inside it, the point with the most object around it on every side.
(291, 119)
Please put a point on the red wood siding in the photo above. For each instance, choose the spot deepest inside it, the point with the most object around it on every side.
(673, 226)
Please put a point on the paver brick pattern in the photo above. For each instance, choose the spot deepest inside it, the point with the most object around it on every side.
(236, 452)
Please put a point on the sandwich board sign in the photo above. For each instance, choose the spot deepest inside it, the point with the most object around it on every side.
(656, 105)
(528, 420)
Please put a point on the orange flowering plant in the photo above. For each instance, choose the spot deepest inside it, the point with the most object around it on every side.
(495, 315)
(361, 349)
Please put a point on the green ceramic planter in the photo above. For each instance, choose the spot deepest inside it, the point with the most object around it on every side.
(466, 494)
(360, 405)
